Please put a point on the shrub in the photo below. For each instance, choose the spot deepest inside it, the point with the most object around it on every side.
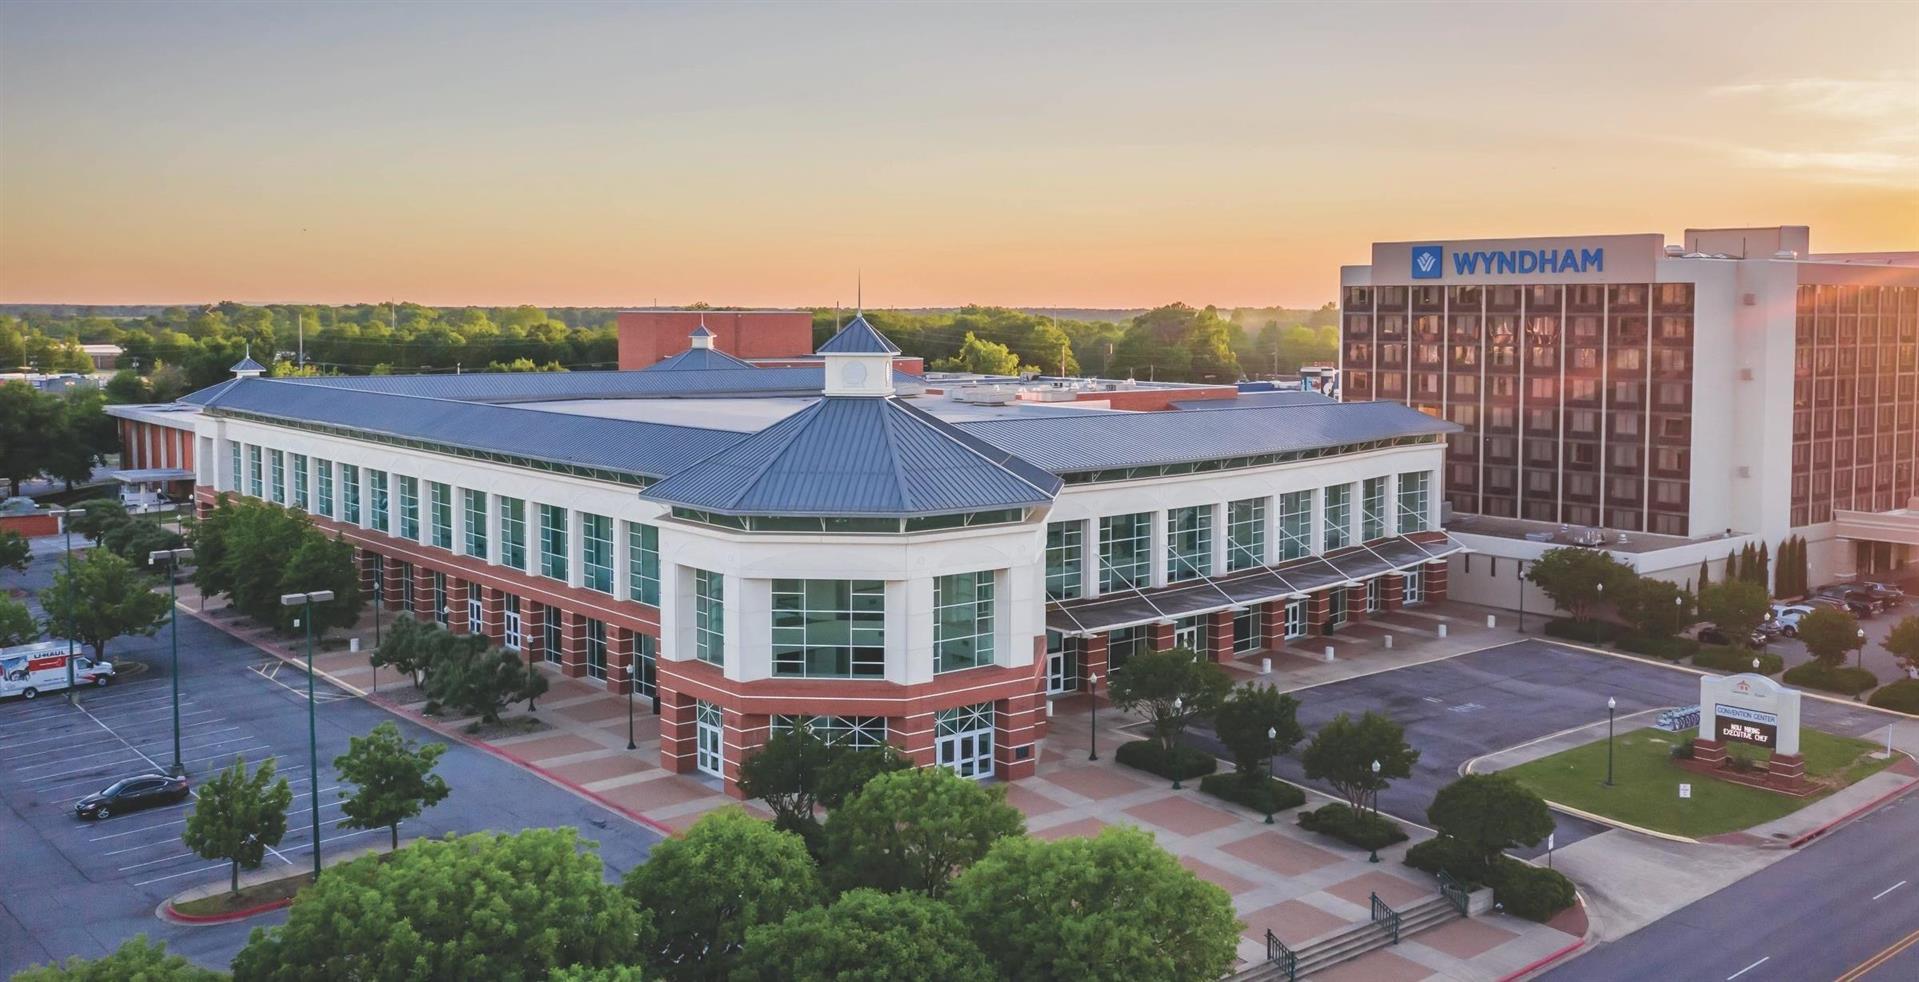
(1363, 829)
(1587, 632)
(1184, 763)
(1443, 853)
(1530, 892)
(1901, 696)
(1260, 793)
(1720, 658)
(1846, 681)
(1682, 751)
(1671, 649)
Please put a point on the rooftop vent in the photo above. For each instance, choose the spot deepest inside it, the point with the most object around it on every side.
(1675, 251)
(1785, 254)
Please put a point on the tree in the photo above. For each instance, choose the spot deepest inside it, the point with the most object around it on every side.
(852, 770)
(481, 906)
(1705, 575)
(1735, 607)
(1151, 682)
(98, 517)
(409, 647)
(1116, 906)
(28, 426)
(238, 816)
(705, 889)
(785, 773)
(1577, 579)
(475, 680)
(15, 552)
(17, 625)
(912, 830)
(138, 959)
(322, 563)
(101, 598)
(137, 538)
(1902, 642)
(393, 779)
(1343, 751)
(865, 936)
(1243, 720)
(1829, 633)
(1762, 568)
(982, 357)
(1489, 814)
(1655, 608)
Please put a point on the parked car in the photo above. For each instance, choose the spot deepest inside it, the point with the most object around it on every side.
(1785, 617)
(1859, 602)
(1712, 635)
(132, 794)
(1887, 593)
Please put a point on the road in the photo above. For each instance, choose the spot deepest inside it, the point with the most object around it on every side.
(72, 887)
(1831, 906)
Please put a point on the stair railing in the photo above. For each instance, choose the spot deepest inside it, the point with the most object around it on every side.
(1454, 892)
(1382, 914)
(1286, 958)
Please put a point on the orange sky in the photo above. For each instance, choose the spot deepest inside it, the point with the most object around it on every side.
(1109, 156)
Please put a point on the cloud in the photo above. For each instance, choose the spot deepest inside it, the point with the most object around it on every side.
(1870, 133)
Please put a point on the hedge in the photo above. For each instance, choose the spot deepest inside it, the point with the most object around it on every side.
(1720, 658)
(1902, 696)
(1587, 632)
(1261, 794)
(1184, 764)
(1363, 829)
(1445, 853)
(1845, 680)
(1671, 649)
(1528, 891)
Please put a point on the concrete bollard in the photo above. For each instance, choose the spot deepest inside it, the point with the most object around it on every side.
(1442, 630)
(353, 644)
(1049, 709)
(1265, 666)
(1492, 621)
(1329, 652)
(1389, 640)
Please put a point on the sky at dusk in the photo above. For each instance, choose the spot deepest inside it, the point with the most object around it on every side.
(1070, 155)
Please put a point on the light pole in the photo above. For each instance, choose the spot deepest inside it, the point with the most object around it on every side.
(1092, 716)
(1861, 662)
(66, 529)
(313, 732)
(1272, 751)
(172, 558)
(1373, 856)
(632, 662)
(1179, 705)
(1519, 567)
(1612, 705)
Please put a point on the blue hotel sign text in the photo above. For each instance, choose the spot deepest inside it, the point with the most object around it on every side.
(1429, 262)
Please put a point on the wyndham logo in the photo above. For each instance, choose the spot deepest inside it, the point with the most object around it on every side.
(1427, 263)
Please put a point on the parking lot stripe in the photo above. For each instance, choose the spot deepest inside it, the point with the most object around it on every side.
(156, 769)
(222, 866)
(61, 750)
(177, 821)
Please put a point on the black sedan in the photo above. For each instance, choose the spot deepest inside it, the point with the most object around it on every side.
(1712, 635)
(132, 794)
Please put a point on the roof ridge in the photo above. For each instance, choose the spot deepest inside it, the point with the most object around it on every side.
(963, 441)
(787, 436)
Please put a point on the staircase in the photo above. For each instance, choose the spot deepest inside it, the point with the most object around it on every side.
(1386, 927)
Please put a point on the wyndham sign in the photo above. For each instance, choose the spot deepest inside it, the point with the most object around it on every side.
(1570, 259)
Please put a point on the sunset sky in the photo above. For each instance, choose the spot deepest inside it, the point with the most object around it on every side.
(1105, 156)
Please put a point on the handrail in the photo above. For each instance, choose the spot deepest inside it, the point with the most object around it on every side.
(1454, 892)
(1286, 958)
(1381, 912)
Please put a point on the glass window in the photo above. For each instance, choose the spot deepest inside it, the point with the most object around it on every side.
(1372, 509)
(1414, 489)
(855, 732)
(1125, 643)
(300, 499)
(350, 494)
(709, 617)
(510, 636)
(1125, 551)
(1295, 525)
(238, 468)
(962, 621)
(513, 532)
(440, 507)
(256, 482)
(1189, 543)
(1246, 533)
(376, 482)
(1065, 560)
(829, 628)
(1339, 516)
(440, 609)
(555, 638)
(473, 505)
(323, 486)
(596, 551)
(596, 649)
(553, 541)
(279, 486)
(1246, 630)
(409, 508)
(643, 558)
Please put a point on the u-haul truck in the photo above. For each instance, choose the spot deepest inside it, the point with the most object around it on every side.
(30, 669)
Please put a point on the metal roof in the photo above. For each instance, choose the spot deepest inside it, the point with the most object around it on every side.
(857, 456)
(1071, 444)
(858, 338)
(800, 380)
(1257, 400)
(247, 364)
(697, 360)
(701, 331)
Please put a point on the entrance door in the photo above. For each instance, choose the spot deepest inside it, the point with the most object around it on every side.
(710, 736)
(965, 740)
(1186, 633)
(475, 616)
(511, 623)
(645, 674)
(1296, 619)
(1062, 665)
(1415, 588)
(1336, 609)
(1375, 595)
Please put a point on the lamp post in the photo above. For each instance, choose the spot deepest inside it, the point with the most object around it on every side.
(632, 662)
(1519, 573)
(66, 529)
(1861, 662)
(313, 732)
(1272, 751)
(1092, 716)
(1179, 706)
(1373, 855)
(172, 558)
(1612, 705)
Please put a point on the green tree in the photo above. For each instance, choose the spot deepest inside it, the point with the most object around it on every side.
(865, 936)
(912, 830)
(238, 816)
(100, 598)
(1489, 814)
(981, 357)
(1169, 688)
(1829, 633)
(1116, 906)
(1655, 608)
(728, 873)
(409, 647)
(85, 435)
(785, 772)
(1762, 567)
(17, 625)
(393, 780)
(1735, 607)
(610, 973)
(15, 552)
(126, 386)
(98, 516)
(483, 906)
(1244, 719)
(1902, 642)
(851, 771)
(138, 960)
(1343, 751)
(322, 563)
(475, 680)
(138, 538)
(28, 426)
(1705, 575)
(1577, 579)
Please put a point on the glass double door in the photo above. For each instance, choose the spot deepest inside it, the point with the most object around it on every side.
(709, 737)
(963, 740)
(1062, 665)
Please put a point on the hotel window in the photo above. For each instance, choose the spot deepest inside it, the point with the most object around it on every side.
(350, 494)
(1125, 551)
(513, 533)
(256, 483)
(709, 617)
(1246, 631)
(409, 507)
(377, 500)
(323, 486)
(1189, 543)
(1295, 525)
(596, 649)
(962, 621)
(440, 505)
(1339, 516)
(473, 507)
(553, 541)
(643, 561)
(829, 628)
(1372, 509)
(596, 552)
(1245, 533)
(1414, 489)
(1065, 560)
(279, 460)
(852, 732)
(300, 499)
(238, 470)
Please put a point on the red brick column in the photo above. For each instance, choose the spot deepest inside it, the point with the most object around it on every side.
(1015, 727)
(395, 575)
(1435, 581)
(572, 644)
(677, 738)
(619, 656)
(532, 630)
(1319, 609)
(1356, 604)
(1392, 596)
(456, 594)
(1219, 635)
(744, 734)
(423, 598)
(1162, 635)
(493, 613)
(1092, 657)
(363, 560)
(913, 736)
(1272, 624)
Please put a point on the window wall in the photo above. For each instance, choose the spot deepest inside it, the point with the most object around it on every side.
(643, 562)
(409, 507)
(323, 486)
(709, 617)
(855, 732)
(513, 532)
(1415, 488)
(553, 541)
(1338, 504)
(1065, 560)
(376, 482)
(440, 508)
(1189, 543)
(279, 486)
(1295, 525)
(596, 552)
(962, 621)
(1246, 534)
(473, 510)
(300, 499)
(1125, 551)
(350, 494)
(829, 628)
(1372, 509)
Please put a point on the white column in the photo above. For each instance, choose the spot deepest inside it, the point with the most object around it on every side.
(1316, 522)
(1219, 538)
(576, 548)
(909, 631)
(494, 536)
(1089, 558)
(622, 559)
(1156, 546)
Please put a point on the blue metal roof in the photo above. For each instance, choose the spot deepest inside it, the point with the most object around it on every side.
(857, 456)
(247, 364)
(697, 359)
(1260, 399)
(858, 338)
(803, 380)
(701, 331)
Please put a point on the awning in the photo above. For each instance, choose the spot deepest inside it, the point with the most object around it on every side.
(153, 475)
(1131, 608)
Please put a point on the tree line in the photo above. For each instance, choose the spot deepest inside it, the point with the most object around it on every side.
(61, 435)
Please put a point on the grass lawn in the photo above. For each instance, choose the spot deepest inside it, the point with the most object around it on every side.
(1646, 783)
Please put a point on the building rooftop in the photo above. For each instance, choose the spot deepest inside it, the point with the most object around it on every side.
(1552, 533)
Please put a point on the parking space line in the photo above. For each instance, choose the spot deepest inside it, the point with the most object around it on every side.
(61, 750)
(156, 769)
(180, 821)
(33, 721)
(219, 866)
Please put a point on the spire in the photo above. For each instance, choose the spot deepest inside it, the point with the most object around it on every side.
(701, 337)
(859, 361)
(246, 367)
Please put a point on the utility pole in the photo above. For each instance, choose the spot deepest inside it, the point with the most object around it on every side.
(307, 600)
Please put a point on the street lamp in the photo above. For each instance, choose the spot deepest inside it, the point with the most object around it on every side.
(313, 732)
(1272, 751)
(1861, 662)
(1519, 573)
(172, 558)
(1092, 716)
(1611, 706)
(632, 662)
(66, 529)
(1178, 706)
(1373, 856)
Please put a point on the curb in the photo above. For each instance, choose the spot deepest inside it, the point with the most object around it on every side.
(201, 920)
(1543, 962)
(1688, 669)
(1849, 816)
